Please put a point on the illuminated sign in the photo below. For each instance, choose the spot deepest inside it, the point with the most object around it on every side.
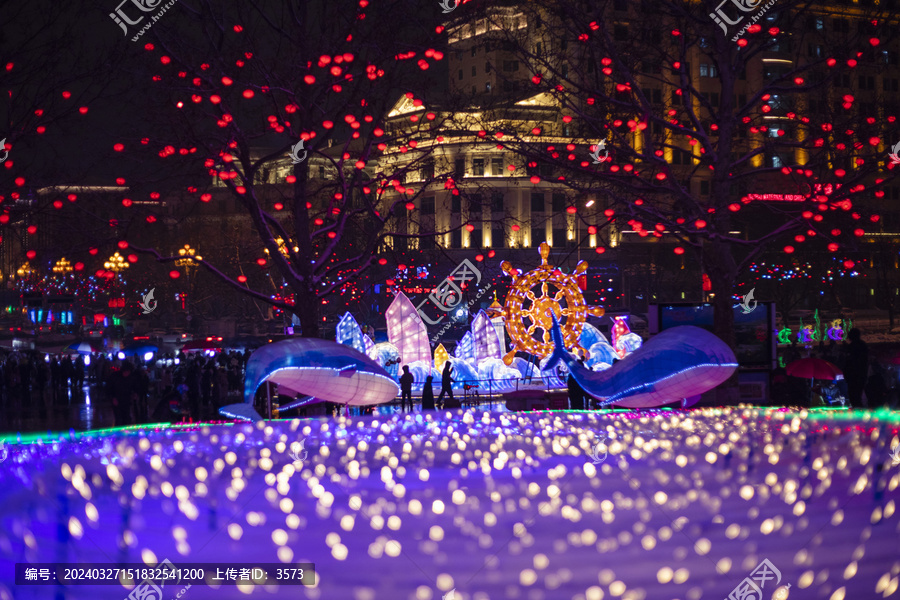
(821, 191)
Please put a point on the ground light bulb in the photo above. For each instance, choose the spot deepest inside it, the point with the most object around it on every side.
(781, 593)
(148, 356)
(87, 360)
(121, 355)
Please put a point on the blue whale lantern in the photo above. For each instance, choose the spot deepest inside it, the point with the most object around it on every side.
(676, 364)
(326, 370)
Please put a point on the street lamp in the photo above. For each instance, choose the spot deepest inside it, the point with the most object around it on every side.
(24, 270)
(116, 263)
(187, 260)
(62, 267)
(282, 247)
(188, 257)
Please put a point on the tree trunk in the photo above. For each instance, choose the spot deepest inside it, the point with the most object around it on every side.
(308, 311)
(722, 271)
(719, 266)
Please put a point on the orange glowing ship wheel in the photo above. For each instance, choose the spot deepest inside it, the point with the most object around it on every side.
(526, 311)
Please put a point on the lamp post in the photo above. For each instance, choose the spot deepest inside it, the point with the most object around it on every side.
(62, 267)
(116, 264)
(24, 271)
(283, 248)
(187, 261)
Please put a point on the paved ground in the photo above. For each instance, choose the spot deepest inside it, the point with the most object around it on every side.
(583, 506)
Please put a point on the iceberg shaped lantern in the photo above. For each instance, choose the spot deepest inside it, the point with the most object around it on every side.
(487, 345)
(349, 334)
(465, 349)
(406, 331)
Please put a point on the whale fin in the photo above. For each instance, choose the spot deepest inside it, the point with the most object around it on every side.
(240, 411)
(559, 347)
(348, 371)
(299, 402)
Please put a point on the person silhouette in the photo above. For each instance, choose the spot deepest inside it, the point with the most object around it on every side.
(446, 384)
(406, 381)
(856, 368)
(428, 394)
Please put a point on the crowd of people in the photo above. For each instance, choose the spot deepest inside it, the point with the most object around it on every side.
(865, 381)
(34, 386)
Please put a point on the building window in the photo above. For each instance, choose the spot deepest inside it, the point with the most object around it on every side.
(426, 243)
(487, 87)
(454, 205)
(620, 32)
(510, 65)
(498, 237)
(460, 75)
(487, 67)
(478, 167)
(456, 238)
(497, 167)
(538, 235)
(428, 205)
(558, 203)
(474, 50)
(707, 70)
(474, 70)
(475, 205)
(537, 203)
(426, 173)
(704, 187)
(559, 238)
(475, 238)
(497, 202)
(459, 167)
(681, 157)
